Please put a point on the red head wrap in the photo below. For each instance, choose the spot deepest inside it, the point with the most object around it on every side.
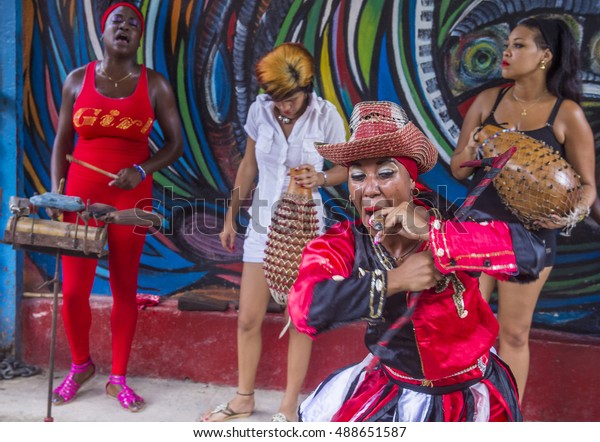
(413, 171)
(410, 165)
(117, 5)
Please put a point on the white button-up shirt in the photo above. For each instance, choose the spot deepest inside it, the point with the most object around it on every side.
(276, 155)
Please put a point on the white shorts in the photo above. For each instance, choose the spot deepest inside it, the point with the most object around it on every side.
(255, 242)
(254, 246)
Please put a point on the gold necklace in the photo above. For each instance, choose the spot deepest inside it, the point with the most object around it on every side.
(382, 255)
(112, 79)
(523, 108)
(400, 259)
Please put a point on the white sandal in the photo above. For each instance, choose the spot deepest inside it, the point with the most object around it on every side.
(279, 417)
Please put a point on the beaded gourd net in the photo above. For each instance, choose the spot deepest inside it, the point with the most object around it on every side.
(536, 184)
(293, 225)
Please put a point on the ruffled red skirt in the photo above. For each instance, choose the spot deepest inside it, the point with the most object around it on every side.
(355, 395)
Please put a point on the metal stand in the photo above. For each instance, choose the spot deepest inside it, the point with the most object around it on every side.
(67, 243)
(56, 284)
(55, 287)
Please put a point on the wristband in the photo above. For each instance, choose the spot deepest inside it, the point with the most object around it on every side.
(324, 179)
(141, 171)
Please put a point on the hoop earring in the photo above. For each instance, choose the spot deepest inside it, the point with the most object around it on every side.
(543, 65)
(415, 192)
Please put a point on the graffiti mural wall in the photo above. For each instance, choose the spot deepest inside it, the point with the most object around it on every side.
(432, 57)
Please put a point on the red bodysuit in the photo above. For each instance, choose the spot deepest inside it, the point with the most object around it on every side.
(113, 135)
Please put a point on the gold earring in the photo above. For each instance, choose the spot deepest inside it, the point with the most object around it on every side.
(415, 192)
(543, 65)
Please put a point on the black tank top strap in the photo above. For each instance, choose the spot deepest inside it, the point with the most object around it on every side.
(501, 95)
(554, 112)
(491, 118)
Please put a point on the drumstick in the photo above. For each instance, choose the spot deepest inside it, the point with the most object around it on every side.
(61, 185)
(91, 167)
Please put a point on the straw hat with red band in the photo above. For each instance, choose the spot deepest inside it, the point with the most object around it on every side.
(117, 5)
(382, 129)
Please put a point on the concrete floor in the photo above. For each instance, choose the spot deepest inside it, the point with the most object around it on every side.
(173, 407)
(24, 399)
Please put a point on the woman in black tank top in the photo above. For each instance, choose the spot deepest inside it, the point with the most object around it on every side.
(541, 59)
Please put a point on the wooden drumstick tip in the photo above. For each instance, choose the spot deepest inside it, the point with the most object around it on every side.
(71, 159)
(61, 186)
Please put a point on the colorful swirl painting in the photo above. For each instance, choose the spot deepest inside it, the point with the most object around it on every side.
(432, 57)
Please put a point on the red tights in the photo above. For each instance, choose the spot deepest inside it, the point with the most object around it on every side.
(125, 244)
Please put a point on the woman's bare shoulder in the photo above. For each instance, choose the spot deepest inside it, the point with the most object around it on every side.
(155, 77)
(74, 81)
(76, 75)
(488, 96)
(483, 103)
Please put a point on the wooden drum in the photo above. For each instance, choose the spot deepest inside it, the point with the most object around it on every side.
(46, 236)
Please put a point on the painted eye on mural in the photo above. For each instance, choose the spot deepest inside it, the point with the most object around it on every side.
(474, 59)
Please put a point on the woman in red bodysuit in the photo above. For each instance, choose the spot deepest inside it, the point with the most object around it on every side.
(111, 106)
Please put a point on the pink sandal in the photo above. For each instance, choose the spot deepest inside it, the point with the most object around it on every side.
(68, 389)
(126, 396)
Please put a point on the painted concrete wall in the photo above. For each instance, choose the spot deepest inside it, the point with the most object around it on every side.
(11, 152)
(432, 57)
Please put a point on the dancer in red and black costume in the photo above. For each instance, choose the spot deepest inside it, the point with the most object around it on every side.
(111, 105)
(400, 265)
